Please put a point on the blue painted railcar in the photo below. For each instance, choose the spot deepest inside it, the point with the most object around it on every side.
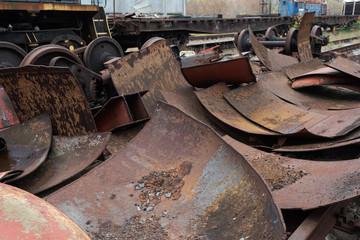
(298, 8)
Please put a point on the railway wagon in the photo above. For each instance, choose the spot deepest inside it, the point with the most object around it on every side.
(298, 8)
(351, 8)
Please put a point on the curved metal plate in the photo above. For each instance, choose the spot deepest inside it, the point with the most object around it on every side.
(272, 60)
(298, 69)
(203, 76)
(258, 104)
(153, 68)
(324, 80)
(25, 216)
(300, 183)
(27, 146)
(221, 196)
(303, 37)
(68, 156)
(7, 112)
(212, 99)
(322, 98)
(34, 90)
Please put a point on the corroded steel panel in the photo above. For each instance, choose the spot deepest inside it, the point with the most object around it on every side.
(214, 194)
(316, 98)
(296, 70)
(260, 105)
(318, 80)
(233, 71)
(27, 146)
(34, 90)
(25, 216)
(153, 68)
(212, 99)
(68, 156)
(303, 37)
(7, 112)
(272, 60)
(346, 66)
(303, 184)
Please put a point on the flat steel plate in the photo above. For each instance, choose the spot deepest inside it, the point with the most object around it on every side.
(303, 184)
(298, 69)
(154, 68)
(34, 90)
(233, 71)
(215, 193)
(27, 146)
(25, 216)
(68, 156)
(322, 98)
(303, 37)
(212, 99)
(346, 66)
(272, 60)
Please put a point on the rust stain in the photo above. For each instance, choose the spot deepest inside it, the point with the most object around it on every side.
(7, 112)
(346, 66)
(106, 195)
(34, 90)
(297, 70)
(303, 37)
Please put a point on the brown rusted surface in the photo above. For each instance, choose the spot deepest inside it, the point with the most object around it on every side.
(260, 105)
(324, 80)
(272, 60)
(7, 112)
(25, 216)
(303, 37)
(190, 105)
(346, 66)
(151, 42)
(222, 71)
(7, 175)
(27, 146)
(34, 90)
(121, 111)
(153, 68)
(36, 6)
(321, 182)
(200, 59)
(298, 69)
(68, 156)
(322, 98)
(212, 99)
(221, 197)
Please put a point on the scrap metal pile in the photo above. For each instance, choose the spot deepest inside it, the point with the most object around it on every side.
(192, 171)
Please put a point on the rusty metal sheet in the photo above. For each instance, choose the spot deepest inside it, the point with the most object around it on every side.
(7, 112)
(34, 90)
(303, 184)
(212, 99)
(258, 104)
(233, 71)
(272, 60)
(154, 68)
(121, 111)
(68, 156)
(200, 59)
(298, 69)
(218, 195)
(322, 98)
(27, 146)
(303, 37)
(318, 80)
(346, 66)
(25, 216)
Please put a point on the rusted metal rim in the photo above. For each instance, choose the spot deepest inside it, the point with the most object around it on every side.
(290, 38)
(61, 97)
(303, 184)
(68, 157)
(203, 76)
(312, 81)
(25, 216)
(11, 55)
(44, 54)
(27, 146)
(152, 41)
(6, 176)
(154, 68)
(219, 196)
(101, 50)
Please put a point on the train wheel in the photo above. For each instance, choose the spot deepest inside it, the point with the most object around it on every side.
(271, 33)
(315, 45)
(291, 41)
(101, 50)
(11, 55)
(152, 41)
(44, 54)
(243, 41)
